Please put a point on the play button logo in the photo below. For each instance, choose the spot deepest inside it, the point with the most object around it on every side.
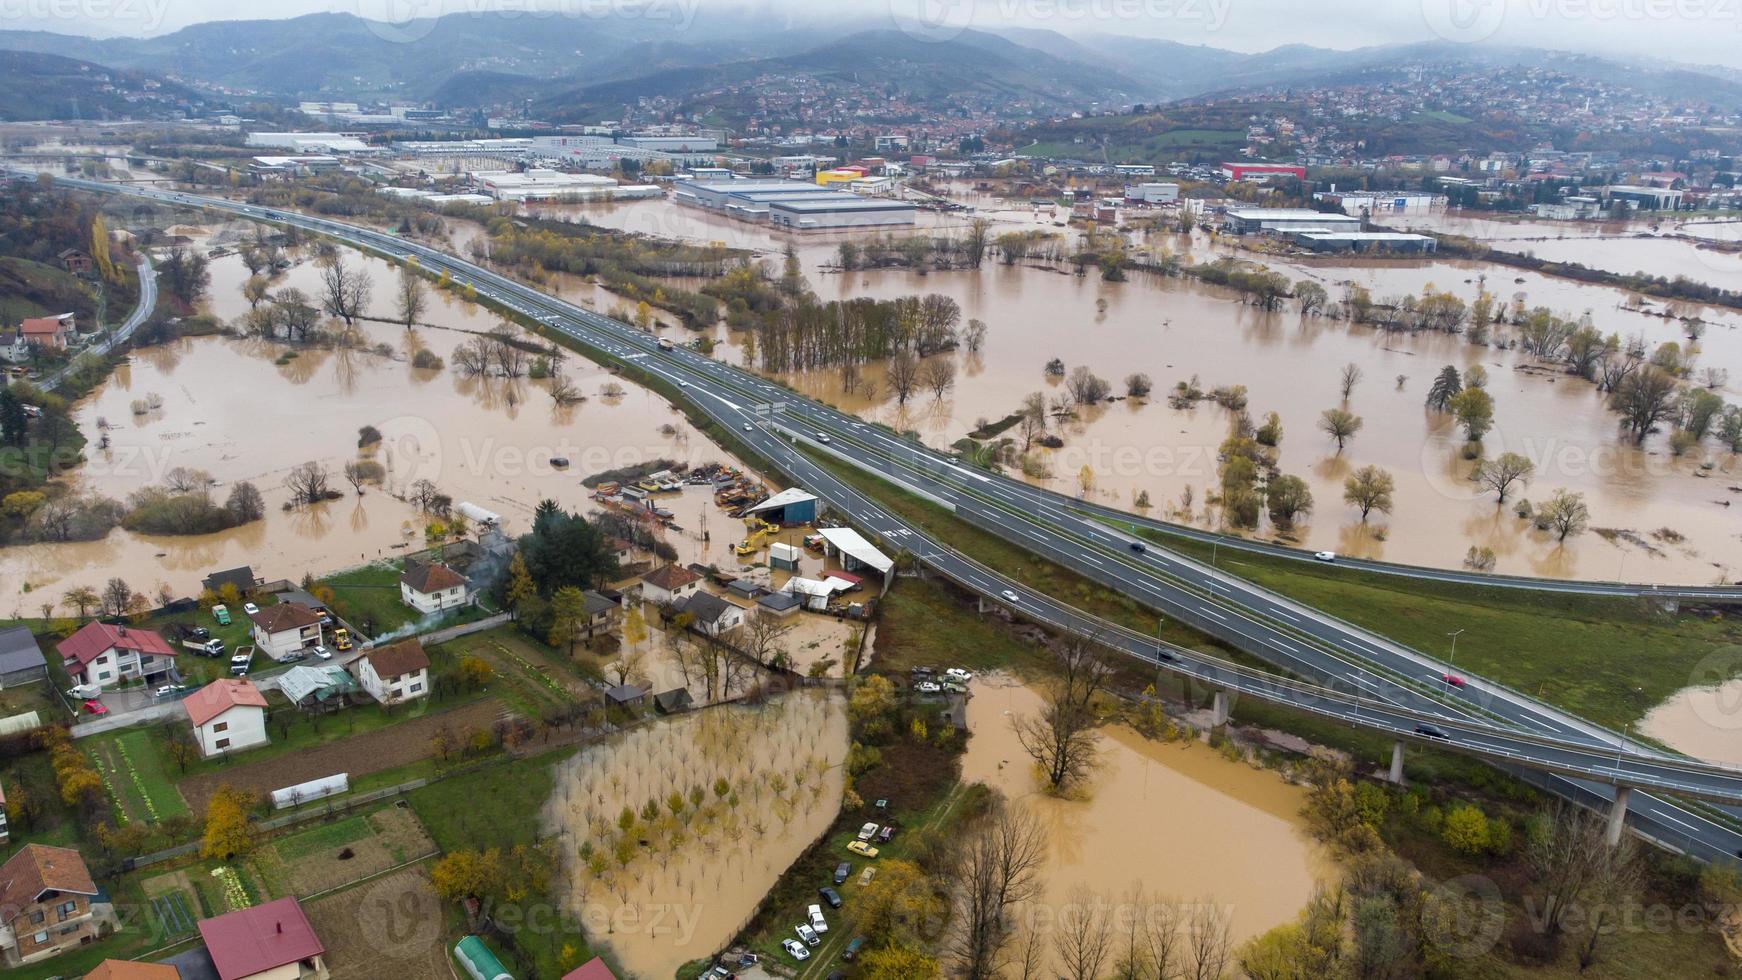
(1464, 21)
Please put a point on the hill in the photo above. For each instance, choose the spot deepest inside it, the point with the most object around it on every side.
(46, 86)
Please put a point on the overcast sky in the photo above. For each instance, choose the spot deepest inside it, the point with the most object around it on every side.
(1703, 31)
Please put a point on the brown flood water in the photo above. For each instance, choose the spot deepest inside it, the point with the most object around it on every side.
(1703, 721)
(1188, 823)
(691, 882)
(229, 408)
(1175, 329)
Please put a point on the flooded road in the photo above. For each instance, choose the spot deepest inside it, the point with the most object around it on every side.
(691, 874)
(1179, 817)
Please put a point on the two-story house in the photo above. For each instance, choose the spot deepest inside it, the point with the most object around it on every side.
(102, 654)
(49, 331)
(271, 941)
(393, 673)
(602, 615)
(668, 583)
(48, 904)
(284, 631)
(228, 715)
(430, 587)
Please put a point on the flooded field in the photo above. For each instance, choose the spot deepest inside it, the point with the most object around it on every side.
(1188, 823)
(249, 410)
(676, 879)
(1705, 721)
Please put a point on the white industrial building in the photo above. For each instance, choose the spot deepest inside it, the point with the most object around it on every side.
(554, 185)
(293, 166)
(1134, 169)
(303, 144)
(672, 144)
(793, 204)
(1152, 193)
(1360, 203)
(1245, 221)
(451, 148)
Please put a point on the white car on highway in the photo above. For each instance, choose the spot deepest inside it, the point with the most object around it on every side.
(1325, 555)
(1010, 596)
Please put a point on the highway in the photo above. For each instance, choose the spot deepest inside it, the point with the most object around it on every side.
(1361, 678)
(141, 310)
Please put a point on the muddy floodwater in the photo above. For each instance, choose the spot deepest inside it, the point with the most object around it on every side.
(1703, 721)
(248, 410)
(1661, 518)
(678, 884)
(1182, 819)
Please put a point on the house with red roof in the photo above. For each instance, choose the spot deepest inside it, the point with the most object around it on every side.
(132, 970)
(284, 631)
(271, 941)
(431, 586)
(593, 969)
(228, 715)
(48, 331)
(393, 673)
(48, 904)
(104, 654)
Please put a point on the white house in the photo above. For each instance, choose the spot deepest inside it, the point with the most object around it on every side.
(430, 587)
(393, 673)
(669, 583)
(102, 655)
(228, 715)
(713, 615)
(285, 630)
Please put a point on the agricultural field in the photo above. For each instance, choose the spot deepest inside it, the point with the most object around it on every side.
(331, 855)
(530, 677)
(133, 772)
(391, 927)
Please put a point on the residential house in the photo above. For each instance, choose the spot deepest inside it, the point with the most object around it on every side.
(21, 660)
(228, 715)
(48, 904)
(327, 687)
(54, 332)
(668, 583)
(625, 696)
(76, 261)
(394, 673)
(602, 613)
(130, 970)
(712, 614)
(593, 969)
(285, 630)
(431, 587)
(242, 577)
(781, 604)
(102, 655)
(271, 941)
(622, 550)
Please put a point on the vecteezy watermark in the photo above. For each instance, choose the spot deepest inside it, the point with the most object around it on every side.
(124, 16)
(408, 21)
(945, 20)
(1464, 21)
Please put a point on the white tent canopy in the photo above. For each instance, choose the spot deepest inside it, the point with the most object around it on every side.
(852, 544)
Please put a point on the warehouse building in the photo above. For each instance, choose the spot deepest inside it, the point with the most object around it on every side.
(1152, 193)
(302, 144)
(1644, 198)
(840, 211)
(672, 144)
(550, 185)
(1247, 221)
(1366, 241)
(283, 167)
(1261, 172)
(1360, 203)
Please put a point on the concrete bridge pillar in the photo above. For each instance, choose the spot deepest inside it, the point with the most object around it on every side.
(1219, 710)
(979, 603)
(1396, 775)
(1618, 814)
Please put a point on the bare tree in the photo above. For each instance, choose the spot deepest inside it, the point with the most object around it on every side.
(997, 866)
(1061, 738)
(1209, 940)
(1085, 387)
(562, 390)
(764, 639)
(509, 356)
(903, 375)
(186, 479)
(1085, 935)
(1501, 473)
(472, 358)
(117, 596)
(344, 292)
(1349, 378)
(1565, 514)
(291, 307)
(354, 476)
(1565, 851)
(307, 483)
(1340, 425)
(245, 503)
(411, 296)
(939, 374)
(975, 336)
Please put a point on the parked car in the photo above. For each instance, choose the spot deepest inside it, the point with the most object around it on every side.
(795, 949)
(81, 692)
(862, 849)
(843, 871)
(927, 687)
(924, 671)
(323, 653)
(818, 923)
(868, 831)
(250, 608)
(866, 875)
(221, 614)
(853, 948)
(886, 834)
(95, 707)
(831, 896)
(959, 674)
(169, 690)
(807, 934)
(240, 662)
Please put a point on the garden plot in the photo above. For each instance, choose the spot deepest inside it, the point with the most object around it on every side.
(673, 833)
(333, 854)
(173, 906)
(388, 928)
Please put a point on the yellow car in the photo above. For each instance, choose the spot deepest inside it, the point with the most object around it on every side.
(862, 849)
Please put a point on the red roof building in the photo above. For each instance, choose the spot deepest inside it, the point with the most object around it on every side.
(101, 654)
(593, 969)
(47, 331)
(220, 696)
(255, 941)
(1243, 171)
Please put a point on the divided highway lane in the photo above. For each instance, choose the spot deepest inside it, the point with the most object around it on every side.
(1662, 819)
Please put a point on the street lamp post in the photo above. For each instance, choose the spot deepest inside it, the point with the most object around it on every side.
(1454, 635)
